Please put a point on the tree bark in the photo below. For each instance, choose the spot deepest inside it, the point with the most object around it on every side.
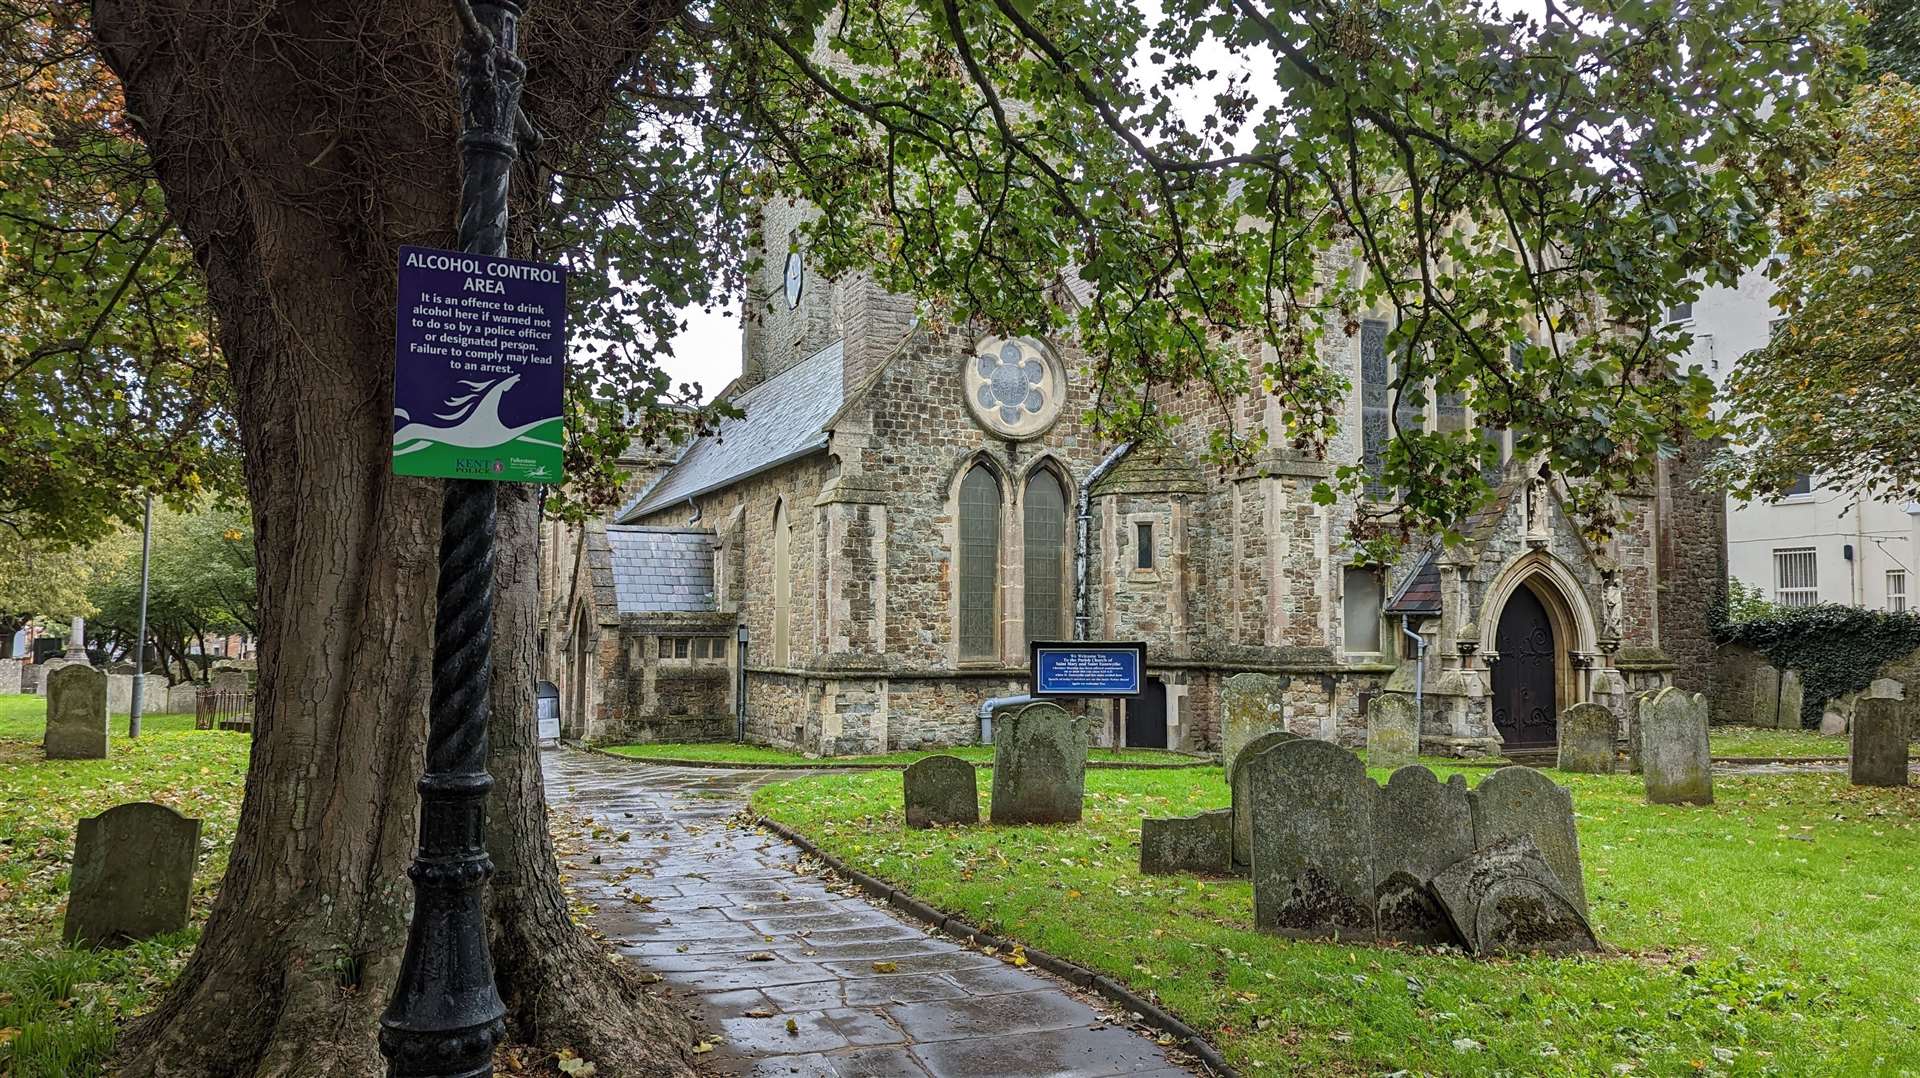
(299, 143)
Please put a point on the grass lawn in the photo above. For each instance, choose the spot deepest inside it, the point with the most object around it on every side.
(1772, 933)
(1755, 741)
(733, 752)
(58, 1006)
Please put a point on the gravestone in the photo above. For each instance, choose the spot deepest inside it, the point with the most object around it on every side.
(1518, 800)
(1833, 722)
(229, 679)
(1242, 806)
(1766, 697)
(1312, 841)
(1201, 844)
(132, 874)
(1393, 731)
(1793, 697)
(33, 677)
(1420, 826)
(1676, 762)
(10, 671)
(941, 790)
(1039, 766)
(1250, 705)
(76, 714)
(1506, 897)
(183, 698)
(120, 693)
(1879, 749)
(1587, 740)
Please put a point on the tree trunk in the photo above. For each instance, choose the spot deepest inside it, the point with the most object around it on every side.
(299, 143)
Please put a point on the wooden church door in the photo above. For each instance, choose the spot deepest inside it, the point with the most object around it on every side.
(1524, 701)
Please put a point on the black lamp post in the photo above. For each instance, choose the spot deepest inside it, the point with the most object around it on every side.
(446, 1015)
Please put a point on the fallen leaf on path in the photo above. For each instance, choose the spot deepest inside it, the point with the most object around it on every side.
(760, 956)
(886, 967)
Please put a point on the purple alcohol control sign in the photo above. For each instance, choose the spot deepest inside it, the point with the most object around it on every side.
(478, 367)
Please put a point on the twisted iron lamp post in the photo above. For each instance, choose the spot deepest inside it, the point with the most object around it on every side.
(446, 1015)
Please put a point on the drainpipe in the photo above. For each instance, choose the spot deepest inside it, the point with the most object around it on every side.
(993, 704)
(1419, 661)
(1083, 527)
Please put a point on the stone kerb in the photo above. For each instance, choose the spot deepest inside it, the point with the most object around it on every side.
(1313, 873)
(1242, 804)
(1250, 705)
(1675, 759)
(1393, 731)
(132, 874)
(76, 714)
(1039, 766)
(1420, 826)
(941, 791)
(1878, 755)
(1201, 844)
(1587, 740)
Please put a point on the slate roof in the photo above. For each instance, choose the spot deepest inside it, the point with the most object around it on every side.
(658, 569)
(1420, 594)
(785, 419)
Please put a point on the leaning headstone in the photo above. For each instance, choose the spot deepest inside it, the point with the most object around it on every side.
(1518, 800)
(132, 874)
(1039, 766)
(1250, 705)
(1312, 841)
(1766, 697)
(941, 791)
(1393, 731)
(1879, 752)
(1505, 897)
(1242, 805)
(76, 714)
(1673, 749)
(1201, 844)
(1587, 740)
(1420, 826)
(1793, 697)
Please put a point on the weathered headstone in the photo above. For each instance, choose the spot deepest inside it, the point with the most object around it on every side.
(10, 676)
(1420, 826)
(183, 697)
(1312, 841)
(1250, 705)
(1766, 696)
(1393, 731)
(1242, 805)
(1673, 749)
(1833, 722)
(1793, 697)
(1201, 844)
(1518, 800)
(132, 874)
(1879, 750)
(230, 679)
(1506, 897)
(76, 714)
(120, 693)
(1636, 711)
(1587, 740)
(33, 677)
(941, 790)
(1886, 688)
(1039, 766)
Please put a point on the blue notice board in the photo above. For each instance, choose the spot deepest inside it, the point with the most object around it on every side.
(1084, 668)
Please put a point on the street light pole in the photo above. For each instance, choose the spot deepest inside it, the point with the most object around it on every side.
(140, 637)
(446, 1016)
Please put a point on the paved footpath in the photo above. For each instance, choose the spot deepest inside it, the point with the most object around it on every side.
(781, 966)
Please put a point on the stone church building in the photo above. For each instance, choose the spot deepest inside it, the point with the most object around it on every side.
(859, 562)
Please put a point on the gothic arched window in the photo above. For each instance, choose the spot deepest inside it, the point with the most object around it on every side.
(979, 563)
(782, 584)
(1044, 530)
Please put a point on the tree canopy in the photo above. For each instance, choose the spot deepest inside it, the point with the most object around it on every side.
(37, 581)
(1832, 392)
(201, 584)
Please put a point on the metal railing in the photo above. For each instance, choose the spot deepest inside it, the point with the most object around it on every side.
(223, 709)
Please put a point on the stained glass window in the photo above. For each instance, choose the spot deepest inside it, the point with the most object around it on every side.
(979, 562)
(1045, 527)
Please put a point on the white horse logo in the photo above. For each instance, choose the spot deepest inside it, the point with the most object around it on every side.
(475, 421)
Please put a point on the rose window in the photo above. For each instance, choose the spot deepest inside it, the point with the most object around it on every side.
(1014, 387)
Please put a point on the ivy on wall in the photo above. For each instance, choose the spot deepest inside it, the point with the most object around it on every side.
(1837, 649)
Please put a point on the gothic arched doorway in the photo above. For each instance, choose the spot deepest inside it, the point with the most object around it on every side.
(1525, 697)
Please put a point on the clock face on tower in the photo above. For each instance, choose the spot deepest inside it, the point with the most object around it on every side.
(796, 279)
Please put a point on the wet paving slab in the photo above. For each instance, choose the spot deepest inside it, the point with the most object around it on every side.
(794, 974)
